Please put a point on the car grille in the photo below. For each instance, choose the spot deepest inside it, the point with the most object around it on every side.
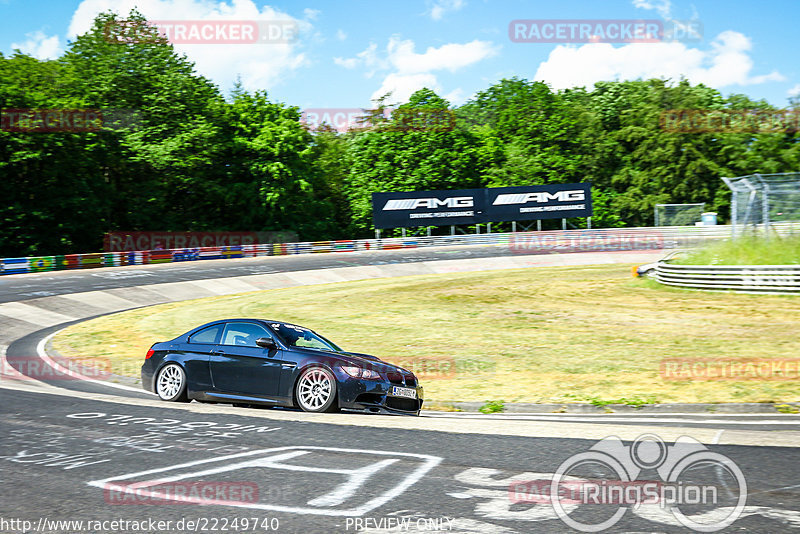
(395, 378)
(369, 398)
(407, 405)
(401, 380)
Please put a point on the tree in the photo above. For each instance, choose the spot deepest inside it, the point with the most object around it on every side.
(395, 157)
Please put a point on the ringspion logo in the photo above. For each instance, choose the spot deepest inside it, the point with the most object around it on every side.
(701, 489)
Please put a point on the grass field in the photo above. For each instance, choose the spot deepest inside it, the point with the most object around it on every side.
(748, 250)
(576, 334)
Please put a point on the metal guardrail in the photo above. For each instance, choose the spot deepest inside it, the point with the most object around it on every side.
(539, 242)
(779, 279)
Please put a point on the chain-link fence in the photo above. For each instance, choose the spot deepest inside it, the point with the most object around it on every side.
(759, 201)
(678, 214)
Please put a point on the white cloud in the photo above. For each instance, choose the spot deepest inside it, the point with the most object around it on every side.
(794, 91)
(450, 57)
(401, 57)
(410, 70)
(348, 63)
(726, 63)
(260, 66)
(662, 7)
(311, 14)
(39, 45)
(367, 58)
(456, 97)
(341, 35)
(402, 86)
(440, 7)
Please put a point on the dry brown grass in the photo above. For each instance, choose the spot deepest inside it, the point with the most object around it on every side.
(571, 334)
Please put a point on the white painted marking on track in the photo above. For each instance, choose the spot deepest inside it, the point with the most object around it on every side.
(518, 415)
(650, 418)
(348, 489)
(40, 350)
(356, 478)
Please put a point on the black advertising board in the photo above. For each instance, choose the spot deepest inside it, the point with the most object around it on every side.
(428, 208)
(476, 206)
(553, 201)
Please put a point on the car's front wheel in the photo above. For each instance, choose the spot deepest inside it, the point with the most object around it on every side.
(171, 383)
(316, 390)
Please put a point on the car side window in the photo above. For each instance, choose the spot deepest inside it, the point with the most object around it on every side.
(243, 334)
(208, 335)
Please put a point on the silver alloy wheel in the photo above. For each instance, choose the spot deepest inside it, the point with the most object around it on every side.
(171, 382)
(316, 390)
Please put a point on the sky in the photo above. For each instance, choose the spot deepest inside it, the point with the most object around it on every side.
(343, 54)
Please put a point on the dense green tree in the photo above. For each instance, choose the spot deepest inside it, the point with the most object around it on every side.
(393, 156)
(186, 157)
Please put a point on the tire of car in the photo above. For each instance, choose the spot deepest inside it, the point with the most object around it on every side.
(171, 383)
(315, 390)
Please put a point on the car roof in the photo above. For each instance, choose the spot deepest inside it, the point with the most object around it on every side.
(246, 320)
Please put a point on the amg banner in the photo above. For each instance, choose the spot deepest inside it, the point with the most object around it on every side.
(554, 201)
(474, 206)
(428, 208)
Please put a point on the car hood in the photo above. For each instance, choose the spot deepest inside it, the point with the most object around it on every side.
(362, 360)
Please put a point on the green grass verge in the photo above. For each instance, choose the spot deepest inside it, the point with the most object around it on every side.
(573, 334)
(747, 250)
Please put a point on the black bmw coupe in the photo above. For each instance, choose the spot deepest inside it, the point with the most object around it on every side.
(255, 361)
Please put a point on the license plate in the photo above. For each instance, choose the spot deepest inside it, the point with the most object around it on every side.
(408, 393)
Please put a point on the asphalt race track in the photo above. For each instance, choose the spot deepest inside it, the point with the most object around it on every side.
(108, 455)
(19, 287)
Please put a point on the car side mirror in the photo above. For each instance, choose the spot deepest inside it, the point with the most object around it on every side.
(266, 342)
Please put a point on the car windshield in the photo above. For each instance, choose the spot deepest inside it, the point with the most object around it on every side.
(297, 336)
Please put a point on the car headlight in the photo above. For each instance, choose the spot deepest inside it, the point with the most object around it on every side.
(360, 372)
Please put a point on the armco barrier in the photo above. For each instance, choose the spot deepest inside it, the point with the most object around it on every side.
(781, 279)
(548, 242)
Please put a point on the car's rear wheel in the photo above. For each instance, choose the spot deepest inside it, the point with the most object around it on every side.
(171, 383)
(316, 390)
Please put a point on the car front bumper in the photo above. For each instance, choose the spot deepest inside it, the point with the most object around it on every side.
(374, 396)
